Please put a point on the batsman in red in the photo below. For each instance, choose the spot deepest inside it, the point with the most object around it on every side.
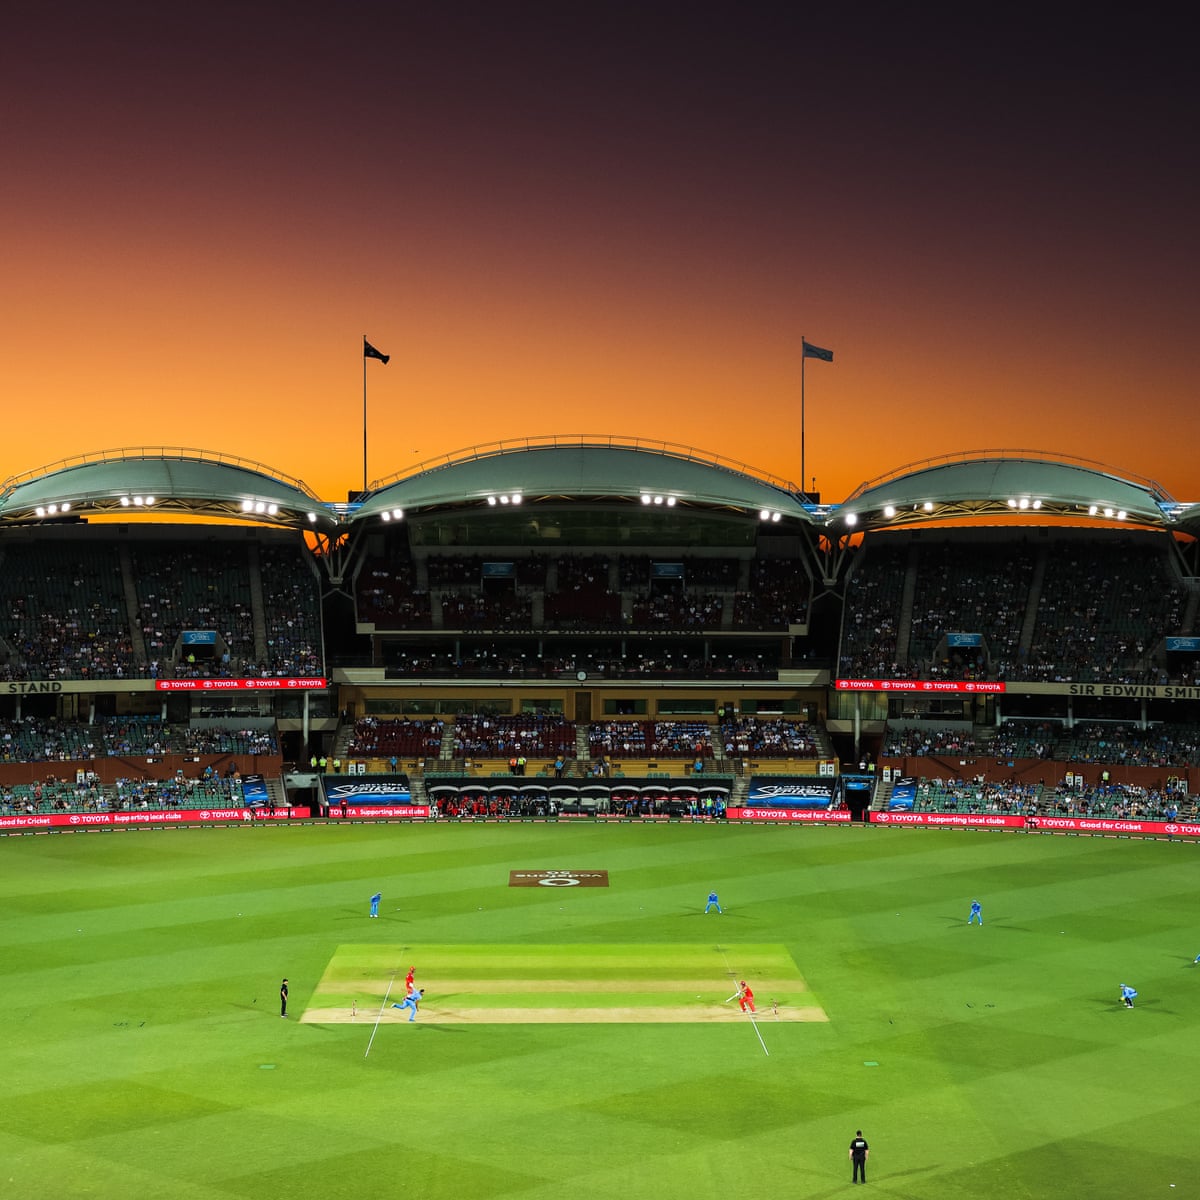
(408, 979)
(746, 997)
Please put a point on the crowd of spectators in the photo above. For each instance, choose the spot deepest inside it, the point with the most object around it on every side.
(779, 596)
(977, 796)
(651, 739)
(387, 593)
(291, 614)
(53, 795)
(1101, 611)
(49, 739)
(581, 592)
(969, 588)
(767, 738)
(582, 597)
(1070, 797)
(199, 587)
(63, 613)
(67, 613)
(486, 610)
(530, 734)
(1111, 743)
(676, 610)
(1117, 744)
(920, 742)
(495, 661)
(403, 738)
(872, 613)
(1063, 612)
(1122, 801)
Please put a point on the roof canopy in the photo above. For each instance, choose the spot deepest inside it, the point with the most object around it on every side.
(1007, 483)
(986, 483)
(583, 468)
(154, 481)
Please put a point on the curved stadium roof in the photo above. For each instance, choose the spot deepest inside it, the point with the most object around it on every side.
(156, 480)
(584, 468)
(986, 483)
(1006, 483)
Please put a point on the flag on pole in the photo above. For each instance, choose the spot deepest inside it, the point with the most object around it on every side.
(369, 351)
(811, 351)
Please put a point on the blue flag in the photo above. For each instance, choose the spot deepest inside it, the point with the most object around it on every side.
(811, 351)
(369, 351)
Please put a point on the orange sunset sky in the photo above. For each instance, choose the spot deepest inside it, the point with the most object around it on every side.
(615, 219)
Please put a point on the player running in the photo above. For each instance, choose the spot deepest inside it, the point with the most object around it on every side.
(746, 997)
(412, 1000)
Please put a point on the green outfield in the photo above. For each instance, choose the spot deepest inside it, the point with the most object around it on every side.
(576, 1040)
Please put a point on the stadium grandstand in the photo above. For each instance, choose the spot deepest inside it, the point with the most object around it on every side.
(596, 626)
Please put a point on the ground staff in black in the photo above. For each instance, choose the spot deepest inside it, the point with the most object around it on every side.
(858, 1156)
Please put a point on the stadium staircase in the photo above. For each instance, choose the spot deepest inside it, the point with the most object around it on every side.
(1189, 615)
(904, 628)
(129, 587)
(881, 795)
(341, 739)
(740, 791)
(1031, 606)
(276, 790)
(257, 607)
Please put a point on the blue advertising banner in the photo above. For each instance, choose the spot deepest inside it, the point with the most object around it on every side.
(199, 637)
(377, 789)
(499, 570)
(903, 797)
(789, 791)
(1190, 644)
(964, 639)
(254, 791)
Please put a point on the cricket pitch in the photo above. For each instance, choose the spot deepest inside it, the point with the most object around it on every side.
(556, 984)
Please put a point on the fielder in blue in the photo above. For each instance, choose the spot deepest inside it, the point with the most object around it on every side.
(375, 899)
(713, 902)
(1127, 994)
(976, 912)
(411, 1001)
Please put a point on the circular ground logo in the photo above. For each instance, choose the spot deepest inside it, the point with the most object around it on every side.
(558, 879)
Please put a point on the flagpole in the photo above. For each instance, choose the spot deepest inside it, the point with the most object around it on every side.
(364, 362)
(803, 490)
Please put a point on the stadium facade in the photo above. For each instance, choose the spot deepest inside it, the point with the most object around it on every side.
(601, 579)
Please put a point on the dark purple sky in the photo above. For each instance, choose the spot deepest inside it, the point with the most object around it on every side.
(610, 220)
